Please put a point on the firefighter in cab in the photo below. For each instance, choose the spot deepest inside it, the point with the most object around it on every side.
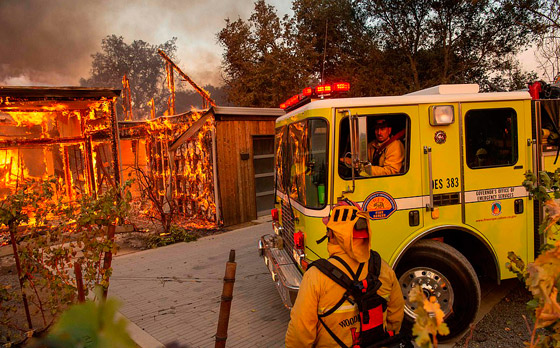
(353, 299)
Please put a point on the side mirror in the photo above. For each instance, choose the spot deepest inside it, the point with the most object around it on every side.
(358, 129)
(362, 140)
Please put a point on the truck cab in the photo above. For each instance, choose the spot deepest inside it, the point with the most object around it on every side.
(446, 217)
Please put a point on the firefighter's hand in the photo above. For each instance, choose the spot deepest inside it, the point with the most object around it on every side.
(347, 160)
(348, 163)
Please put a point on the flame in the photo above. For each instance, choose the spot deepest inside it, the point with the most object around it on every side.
(29, 118)
(56, 121)
(192, 186)
(11, 167)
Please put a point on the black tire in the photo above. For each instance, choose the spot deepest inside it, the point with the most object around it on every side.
(438, 265)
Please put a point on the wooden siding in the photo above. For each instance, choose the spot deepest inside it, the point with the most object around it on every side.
(236, 176)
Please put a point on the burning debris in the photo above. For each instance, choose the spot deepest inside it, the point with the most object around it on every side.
(65, 133)
(177, 170)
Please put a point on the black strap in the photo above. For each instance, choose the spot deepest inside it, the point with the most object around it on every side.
(340, 343)
(374, 265)
(333, 273)
(319, 241)
(336, 306)
(354, 275)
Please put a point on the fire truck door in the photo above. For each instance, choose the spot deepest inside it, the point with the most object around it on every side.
(442, 168)
(389, 191)
(495, 158)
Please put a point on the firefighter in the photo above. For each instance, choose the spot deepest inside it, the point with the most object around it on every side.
(318, 294)
(385, 153)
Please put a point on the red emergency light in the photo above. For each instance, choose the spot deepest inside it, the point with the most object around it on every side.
(321, 91)
(341, 87)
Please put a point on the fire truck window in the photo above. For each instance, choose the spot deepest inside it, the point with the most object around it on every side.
(388, 150)
(281, 146)
(307, 143)
(491, 138)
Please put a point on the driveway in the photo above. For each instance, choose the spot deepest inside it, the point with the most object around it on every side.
(173, 293)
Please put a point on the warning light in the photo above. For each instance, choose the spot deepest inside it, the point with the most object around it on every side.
(323, 89)
(341, 87)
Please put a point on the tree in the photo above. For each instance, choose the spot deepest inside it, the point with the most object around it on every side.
(345, 48)
(142, 65)
(449, 41)
(547, 26)
(381, 47)
(262, 64)
(185, 98)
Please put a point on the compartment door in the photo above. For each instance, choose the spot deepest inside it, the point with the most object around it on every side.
(495, 160)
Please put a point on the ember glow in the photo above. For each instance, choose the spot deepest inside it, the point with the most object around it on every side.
(192, 186)
(185, 175)
(39, 140)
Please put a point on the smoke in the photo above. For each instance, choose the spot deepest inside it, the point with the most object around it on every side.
(47, 42)
(51, 42)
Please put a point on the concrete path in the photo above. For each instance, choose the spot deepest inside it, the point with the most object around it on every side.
(173, 293)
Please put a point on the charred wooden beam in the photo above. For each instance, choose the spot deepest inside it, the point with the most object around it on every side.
(201, 91)
(90, 169)
(115, 145)
(19, 142)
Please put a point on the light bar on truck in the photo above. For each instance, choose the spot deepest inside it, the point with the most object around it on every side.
(321, 91)
(341, 87)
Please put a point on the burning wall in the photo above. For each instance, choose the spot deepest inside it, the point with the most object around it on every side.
(66, 133)
(180, 169)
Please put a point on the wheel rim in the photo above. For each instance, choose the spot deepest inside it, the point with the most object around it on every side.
(432, 282)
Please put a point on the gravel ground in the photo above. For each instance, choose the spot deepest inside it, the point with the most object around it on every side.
(504, 326)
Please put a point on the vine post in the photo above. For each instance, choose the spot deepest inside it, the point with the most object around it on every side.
(12, 228)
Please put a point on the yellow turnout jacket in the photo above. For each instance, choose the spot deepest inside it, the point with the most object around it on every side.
(318, 293)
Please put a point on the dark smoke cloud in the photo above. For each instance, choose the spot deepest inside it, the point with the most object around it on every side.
(50, 42)
(47, 42)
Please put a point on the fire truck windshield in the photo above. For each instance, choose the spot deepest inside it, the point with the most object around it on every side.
(301, 161)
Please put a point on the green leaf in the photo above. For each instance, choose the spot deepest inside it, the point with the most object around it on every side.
(91, 325)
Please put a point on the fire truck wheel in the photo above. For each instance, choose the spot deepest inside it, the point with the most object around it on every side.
(445, 273)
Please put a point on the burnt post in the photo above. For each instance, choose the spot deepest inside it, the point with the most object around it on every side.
(20, 276)
(108, 258)
(225, 306)
(79, 282)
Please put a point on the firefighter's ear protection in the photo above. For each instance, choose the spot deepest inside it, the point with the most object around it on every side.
(348, 217)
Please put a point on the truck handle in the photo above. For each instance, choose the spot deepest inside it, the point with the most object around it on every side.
(533, 143)
(428, 152)
(353, 140)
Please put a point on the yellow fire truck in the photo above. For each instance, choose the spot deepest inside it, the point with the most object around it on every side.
(447, 218)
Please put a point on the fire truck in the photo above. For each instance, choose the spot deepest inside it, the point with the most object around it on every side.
(448, 218)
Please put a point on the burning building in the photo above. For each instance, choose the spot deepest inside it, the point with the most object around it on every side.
(216, 165)
(64, 132)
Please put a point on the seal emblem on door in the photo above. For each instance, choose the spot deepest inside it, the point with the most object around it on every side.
(440, 137)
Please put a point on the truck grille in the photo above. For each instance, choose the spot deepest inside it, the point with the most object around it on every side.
(287, 227)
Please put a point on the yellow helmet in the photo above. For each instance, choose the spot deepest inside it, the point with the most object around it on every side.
(349, 219)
